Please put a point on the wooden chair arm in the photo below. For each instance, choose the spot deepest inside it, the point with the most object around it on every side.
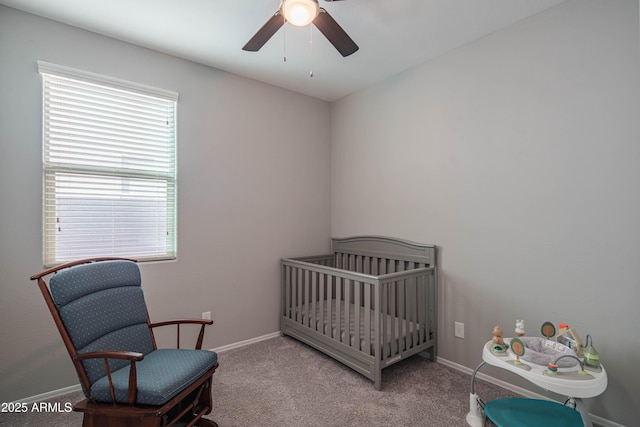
(112, 354)
(175, 322)
(131, 356)
(201, 322)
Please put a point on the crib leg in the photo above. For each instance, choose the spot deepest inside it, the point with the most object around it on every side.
(428, 354)
(378, 380)
(432, 353)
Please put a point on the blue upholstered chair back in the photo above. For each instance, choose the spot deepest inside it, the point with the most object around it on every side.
(102, 306)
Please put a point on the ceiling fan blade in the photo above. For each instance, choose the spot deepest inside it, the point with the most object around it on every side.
(334, 33)
(265, 33)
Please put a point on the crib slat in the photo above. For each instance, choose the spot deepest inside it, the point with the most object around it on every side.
(412, 301)
(433, 296)
(294, 293)
(367, 318)
(401, 306)
(383, 312)
(374, 271)
(323, 286)
(414, 312)
(406, 315)
(291, 291)
(287, 292)
(298, 301)
(401, 310)
(418, 302)
(331, 280)
(387, 267)
(346, 337)
(391, 266)
(420, 306)
(421, 309)
(314, 297)
(338, 313)
(379, 332)
(356, 308)
(392, 314)
(305, 298)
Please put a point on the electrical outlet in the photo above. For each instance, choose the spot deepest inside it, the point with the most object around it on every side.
(206, 315)
(459, 330)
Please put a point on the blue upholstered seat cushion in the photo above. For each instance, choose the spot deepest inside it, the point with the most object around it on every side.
(161, 375)
(523, 412)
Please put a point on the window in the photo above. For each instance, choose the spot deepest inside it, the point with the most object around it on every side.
(109, 153)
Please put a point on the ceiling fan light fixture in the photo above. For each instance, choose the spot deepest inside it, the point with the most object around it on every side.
(300, 12)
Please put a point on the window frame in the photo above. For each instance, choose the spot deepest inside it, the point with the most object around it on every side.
(144, 175)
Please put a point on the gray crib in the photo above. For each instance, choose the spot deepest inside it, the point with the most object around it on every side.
(368, 304)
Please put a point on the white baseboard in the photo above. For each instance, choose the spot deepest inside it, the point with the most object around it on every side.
(519, 390)
(246, 342)
(508, 386)
(50, 394)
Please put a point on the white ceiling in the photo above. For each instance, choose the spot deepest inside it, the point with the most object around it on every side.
(393, 35)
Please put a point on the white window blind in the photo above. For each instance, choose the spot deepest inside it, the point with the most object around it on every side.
(109, 151)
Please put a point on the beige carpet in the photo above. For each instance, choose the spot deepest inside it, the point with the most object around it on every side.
(284, 382)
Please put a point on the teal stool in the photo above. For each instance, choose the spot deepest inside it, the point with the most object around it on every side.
(522, 412)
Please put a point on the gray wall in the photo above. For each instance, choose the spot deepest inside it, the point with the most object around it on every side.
(519, 155)
(249, 192)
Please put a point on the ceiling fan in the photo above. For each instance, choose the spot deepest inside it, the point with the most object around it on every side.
(301, 13)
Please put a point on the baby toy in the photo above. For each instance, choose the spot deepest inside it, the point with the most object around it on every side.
(498, 343)
(519, 328)
(517, 347)
(548, 330)
(591, 356)
(569, 337)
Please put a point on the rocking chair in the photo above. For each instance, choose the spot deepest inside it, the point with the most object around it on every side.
(99, 309)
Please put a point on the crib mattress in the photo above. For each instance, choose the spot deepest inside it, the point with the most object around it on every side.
(404, 332)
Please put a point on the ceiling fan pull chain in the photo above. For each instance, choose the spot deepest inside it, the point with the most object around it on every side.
(310, 51)
(284, 40)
